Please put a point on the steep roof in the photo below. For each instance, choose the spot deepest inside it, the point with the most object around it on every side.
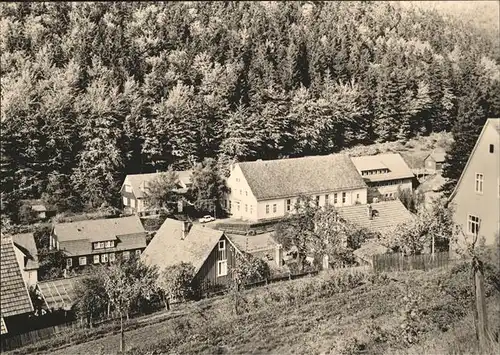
(136, 180)
(26, 243)
(98, 229)
(281, 178)
(59, 294)
(398, 169)
(14, 296)
(490, 122)
(438, 155)
(168, 248)
(387, 215)
(3, 329)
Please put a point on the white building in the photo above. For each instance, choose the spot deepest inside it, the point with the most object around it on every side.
(268, 189)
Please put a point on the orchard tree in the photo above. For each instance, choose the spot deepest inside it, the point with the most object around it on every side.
(92, 297)
(176, 283)
(208, 186)
(161, 192)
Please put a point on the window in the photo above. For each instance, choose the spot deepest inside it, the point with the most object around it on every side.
(357, 196)
(246, 207)
(317, 201)
(251, 209)
(343, 197)
(82, 260)
(69, 262)
(246, 193)
(473, 224)
(240, 192)
(238, 206)
(124, 201)
(229, 205)
(222, 245)
(132, 202)
(104, 258)
(109, 244)
(126, 255)
(267, 209)
(479, 182)
(128, 188)
(112, 257)
(221, 268)
(288, 205)
(492, 148)
(96, 245)
(138, 252)
(335, 198)
(96, 259)
(100, 245)
(274, 208)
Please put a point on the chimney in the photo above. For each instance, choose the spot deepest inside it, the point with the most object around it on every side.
(279, 255)
(186, 226)
(369, 211)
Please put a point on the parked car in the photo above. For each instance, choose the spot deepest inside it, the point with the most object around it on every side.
(206, 219)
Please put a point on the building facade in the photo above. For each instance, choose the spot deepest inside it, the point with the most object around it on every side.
(384, 174)
(263, 190)
(99, 241)
(434, 161)
(476, 198)
(27, 257)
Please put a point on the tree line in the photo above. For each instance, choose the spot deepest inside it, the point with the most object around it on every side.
(94, 91)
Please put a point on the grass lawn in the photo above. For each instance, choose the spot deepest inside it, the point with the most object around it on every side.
(333, 313)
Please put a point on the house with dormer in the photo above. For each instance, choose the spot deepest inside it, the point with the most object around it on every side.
(384, 174)
(476, 198)
(134, 189)
(98, 241)
(268, 189)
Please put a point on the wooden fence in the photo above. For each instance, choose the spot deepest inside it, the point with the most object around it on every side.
(20, 340)
(398, 262)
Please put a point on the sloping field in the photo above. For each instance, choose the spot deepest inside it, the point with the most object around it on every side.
(329, 314)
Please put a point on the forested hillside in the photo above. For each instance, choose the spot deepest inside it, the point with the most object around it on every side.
(93, 91)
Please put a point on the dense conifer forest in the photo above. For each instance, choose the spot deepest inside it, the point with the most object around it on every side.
(91, 92)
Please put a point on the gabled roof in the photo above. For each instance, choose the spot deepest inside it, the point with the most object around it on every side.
(369, 249)
(136, 180)
(438, 155)
(26, 243)
(168, 247)
(398, 169)
(493, 122)
(59, 294)
(14, 296)
(98, 229)
(386, 215)
(3, 329)
(270, 179)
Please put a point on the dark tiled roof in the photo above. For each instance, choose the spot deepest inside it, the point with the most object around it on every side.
(136, 180)
(98, 229)
(26, 243)
(168, 248)
(388, 215)
(281, 178)
(59, 294)
(15, 298)
(392, 161)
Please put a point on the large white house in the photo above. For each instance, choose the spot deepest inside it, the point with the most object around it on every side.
(269, 189)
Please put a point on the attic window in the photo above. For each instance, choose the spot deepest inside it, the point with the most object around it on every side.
(492, 148)
(222, 245)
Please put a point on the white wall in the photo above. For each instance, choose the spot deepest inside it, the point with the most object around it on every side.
(388, 189)
(240, 192)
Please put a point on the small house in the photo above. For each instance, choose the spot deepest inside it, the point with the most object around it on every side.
(134, 189)
(211, 253)
(98, 241)
(27, 257)
(434, 161)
